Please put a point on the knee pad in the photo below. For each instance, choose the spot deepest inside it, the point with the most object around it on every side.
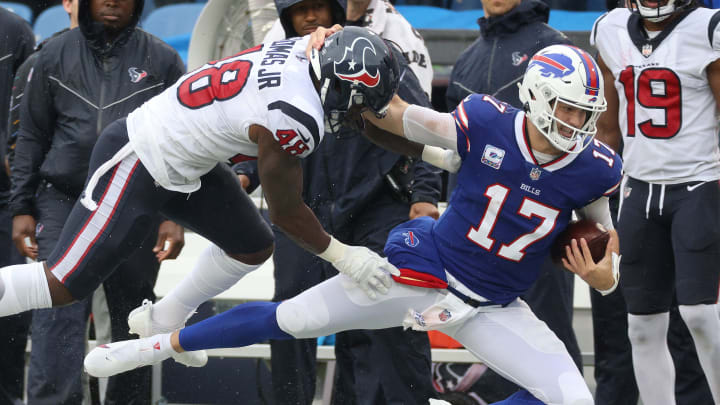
(643, 329)
(298, 319)
(698, 317)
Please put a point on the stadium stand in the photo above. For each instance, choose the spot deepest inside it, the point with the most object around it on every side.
(172, 20)
(50, 21)
(20, 9)
(174, 24)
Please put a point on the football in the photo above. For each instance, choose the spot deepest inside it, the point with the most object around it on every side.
(594, 233)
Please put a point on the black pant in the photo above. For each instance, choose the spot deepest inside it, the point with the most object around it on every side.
(374, 367)
(13, 329)
(59, 333)
(614, 373)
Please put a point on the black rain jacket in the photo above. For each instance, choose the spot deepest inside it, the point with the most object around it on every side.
(495, 63)
(79, 84)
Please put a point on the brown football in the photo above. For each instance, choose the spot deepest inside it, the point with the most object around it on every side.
(594, 233)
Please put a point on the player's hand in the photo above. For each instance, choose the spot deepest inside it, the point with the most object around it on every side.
(367, 269)
(171, 234)
(579, 261)
(424, 209)
(244, 181)
(23, 230)
(317, 38)
(441, 158)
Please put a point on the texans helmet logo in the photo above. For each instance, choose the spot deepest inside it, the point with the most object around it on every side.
(354, 70)
(552, 64)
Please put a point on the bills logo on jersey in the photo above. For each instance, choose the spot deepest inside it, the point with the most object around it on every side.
(552, 64)
(136, 75)
(353, 70)
(445, 315)
(493, 156)
(410, 239)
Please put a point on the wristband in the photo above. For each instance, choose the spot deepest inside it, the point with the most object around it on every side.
(433, 155)
(615, 273)
(334, 251)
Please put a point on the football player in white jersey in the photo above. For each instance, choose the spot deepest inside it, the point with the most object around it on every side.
(267, 103)
(660, 60)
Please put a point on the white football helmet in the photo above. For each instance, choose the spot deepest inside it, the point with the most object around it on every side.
(568, 74)
(660, 12)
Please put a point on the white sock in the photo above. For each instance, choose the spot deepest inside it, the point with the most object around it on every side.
(23, 287)
(214, 272)
(704, 326)
(654, 368)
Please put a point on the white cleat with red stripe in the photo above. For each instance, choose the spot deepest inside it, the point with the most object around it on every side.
(141, 323)
(115, 358)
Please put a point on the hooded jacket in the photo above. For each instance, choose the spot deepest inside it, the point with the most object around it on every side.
(80, 83)
(495, 63)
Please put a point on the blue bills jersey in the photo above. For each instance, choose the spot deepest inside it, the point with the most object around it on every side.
(508, 208)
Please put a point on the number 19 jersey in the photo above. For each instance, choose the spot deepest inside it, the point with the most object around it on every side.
(507, 208)
(205, 117)
(667, 111)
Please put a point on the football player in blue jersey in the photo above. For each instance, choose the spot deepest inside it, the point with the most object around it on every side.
(521, 176)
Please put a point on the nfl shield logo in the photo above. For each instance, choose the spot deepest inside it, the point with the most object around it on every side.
(445, 315)
(626, 192)
(647, 50)
(535, 173)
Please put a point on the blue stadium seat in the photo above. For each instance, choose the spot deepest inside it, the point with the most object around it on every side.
(172, 20)
(20, 9)
(50, 21)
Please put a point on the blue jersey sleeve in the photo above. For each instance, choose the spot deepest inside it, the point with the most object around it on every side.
(608, 168)
(472, 116)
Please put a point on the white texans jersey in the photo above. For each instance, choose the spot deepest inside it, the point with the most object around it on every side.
(667, 112)
(205, 117)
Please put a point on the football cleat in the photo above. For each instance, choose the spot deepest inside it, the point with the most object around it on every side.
(115, 358)
(141, 324)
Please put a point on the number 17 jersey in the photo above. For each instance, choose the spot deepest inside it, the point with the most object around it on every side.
(507, 208)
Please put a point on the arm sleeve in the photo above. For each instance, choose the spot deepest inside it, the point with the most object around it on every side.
(598, 211)
(429, 127)
(37, 118)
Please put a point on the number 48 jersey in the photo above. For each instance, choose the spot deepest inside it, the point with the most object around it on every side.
(667, 112)
(507, 208)
(205, 117)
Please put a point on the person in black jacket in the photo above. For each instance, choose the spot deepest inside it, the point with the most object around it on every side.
(81, 81)
(510, 33)
(16, 43)
(359, 192)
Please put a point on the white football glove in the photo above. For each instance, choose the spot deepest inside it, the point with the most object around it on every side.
(367, 269)
(445, 159)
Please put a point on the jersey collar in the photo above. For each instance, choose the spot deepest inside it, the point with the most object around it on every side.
(639, 37)
(523, 142)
